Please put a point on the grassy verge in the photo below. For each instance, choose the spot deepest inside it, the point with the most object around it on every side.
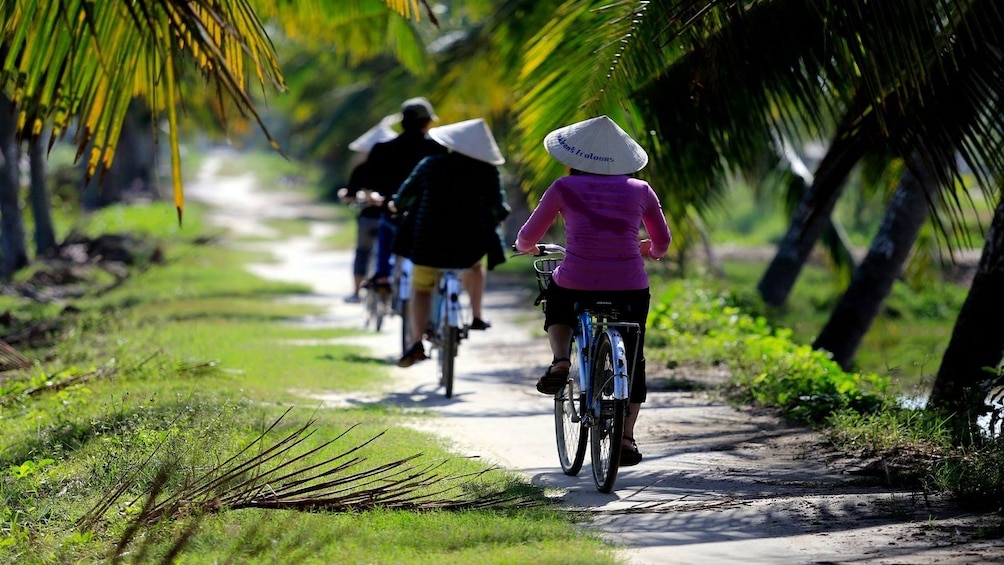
(144, 429)
(703, 323)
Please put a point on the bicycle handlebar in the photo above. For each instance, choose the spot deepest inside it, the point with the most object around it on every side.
(542, 249)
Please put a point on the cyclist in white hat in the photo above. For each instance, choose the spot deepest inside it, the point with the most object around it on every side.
(603, 207)
(454, 205)
(371, 203)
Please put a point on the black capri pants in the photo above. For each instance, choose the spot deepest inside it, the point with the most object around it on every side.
(560, 309)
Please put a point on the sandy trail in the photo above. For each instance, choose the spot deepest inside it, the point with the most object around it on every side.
(718, 485)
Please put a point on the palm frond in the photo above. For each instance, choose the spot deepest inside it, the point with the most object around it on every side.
(80, 59)
(565, 76)
(358, 30)
(286, 474)
(951, 117)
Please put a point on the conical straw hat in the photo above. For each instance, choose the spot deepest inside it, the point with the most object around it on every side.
(597, 145)
(377, 134)
(471, 138)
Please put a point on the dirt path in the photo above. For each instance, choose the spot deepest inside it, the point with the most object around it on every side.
(718, 485)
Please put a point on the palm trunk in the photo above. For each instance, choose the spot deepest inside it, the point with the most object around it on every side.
(810, 220)
(38, 197)
(132, 173)
(12, 240)
(873, 280)
(977, 338)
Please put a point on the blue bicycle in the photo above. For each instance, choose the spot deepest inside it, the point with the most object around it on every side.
(593, 404)
(449, 324)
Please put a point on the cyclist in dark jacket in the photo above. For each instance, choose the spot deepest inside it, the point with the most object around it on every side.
(453, 206)
(391, 162)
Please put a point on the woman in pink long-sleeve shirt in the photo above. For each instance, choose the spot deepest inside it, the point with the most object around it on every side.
(603, 209)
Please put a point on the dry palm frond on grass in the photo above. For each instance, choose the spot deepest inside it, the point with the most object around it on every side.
(283, 476)
(16, 393)
(11, 358)
(13, 391)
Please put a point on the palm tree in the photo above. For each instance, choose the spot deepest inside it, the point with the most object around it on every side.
(38, 198)
(973, 356)
(85, 61)
(859, 305)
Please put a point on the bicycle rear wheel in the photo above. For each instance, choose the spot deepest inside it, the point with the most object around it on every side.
(568, 429)
(447, 353)
(607, 431)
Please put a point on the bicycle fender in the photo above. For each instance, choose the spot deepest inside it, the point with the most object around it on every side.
(620, 364)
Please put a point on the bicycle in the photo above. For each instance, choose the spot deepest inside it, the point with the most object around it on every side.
(378, 306)
(449, 324)
(593, 404)
(377, 302)
(401, 298)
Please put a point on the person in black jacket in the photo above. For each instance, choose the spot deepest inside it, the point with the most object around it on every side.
(453, 206)
(388, 164)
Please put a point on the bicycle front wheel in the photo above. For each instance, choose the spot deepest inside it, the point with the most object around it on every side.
(404, 309)
(380, 311)
(568, 429)
(447, 353)
(607, 429)
(373, 310)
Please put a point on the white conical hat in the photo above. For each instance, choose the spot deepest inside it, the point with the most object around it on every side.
(597, 145)
(471, 138)
(376, 134)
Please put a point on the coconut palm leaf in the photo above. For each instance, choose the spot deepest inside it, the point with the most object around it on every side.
(358, 30)
(285, 473)
(951, 118)
(79, 60)
(566, 70)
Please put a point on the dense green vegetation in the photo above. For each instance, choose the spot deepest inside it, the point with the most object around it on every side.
(702, 323)
(909, 336)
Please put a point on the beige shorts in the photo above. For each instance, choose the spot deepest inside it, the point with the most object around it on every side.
(424, 278)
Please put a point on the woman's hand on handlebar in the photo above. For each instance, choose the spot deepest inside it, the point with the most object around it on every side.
(540, 249)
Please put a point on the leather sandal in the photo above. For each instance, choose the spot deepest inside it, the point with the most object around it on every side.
(554, 378)
(630, 455)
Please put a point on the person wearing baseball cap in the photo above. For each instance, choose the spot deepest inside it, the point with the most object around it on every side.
(418, 108)
(603, 205)
(388, 164)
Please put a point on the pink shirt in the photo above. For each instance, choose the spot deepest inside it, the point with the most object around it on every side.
(602, 215)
